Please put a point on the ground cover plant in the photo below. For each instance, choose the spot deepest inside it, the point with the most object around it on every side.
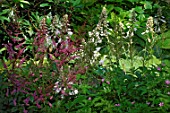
(84, 56)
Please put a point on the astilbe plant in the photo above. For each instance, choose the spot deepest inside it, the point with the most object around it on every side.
(32, 84)
(15, 49)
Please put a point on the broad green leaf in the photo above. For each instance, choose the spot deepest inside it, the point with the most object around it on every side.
(1, 65)
(110, 8)
(2, 49)
(137, 62)
(5, 11)
(73, 37)
(165, 40)
(44, 4)
(49, 21)
(25, 2)
(125, 64)
(88, 2)
(167, 63)
(16, 1)
(114, 0)
(30, 31)
(147, 5)
(22, 5)
(166, 44)
(31, 98)
(77, 2)
(141, 17)
(166, 35)
(133, 1)
(50, 0)
(139, 9)
(99, 104)
(153, 61)
(78, 100)
(96, 100)
(156, 6)
(79, 76)
(118, 9)
(3, 18)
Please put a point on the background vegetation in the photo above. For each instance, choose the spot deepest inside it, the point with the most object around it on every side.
(85, 56)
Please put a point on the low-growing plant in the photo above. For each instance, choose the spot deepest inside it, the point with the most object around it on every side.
(132, 92)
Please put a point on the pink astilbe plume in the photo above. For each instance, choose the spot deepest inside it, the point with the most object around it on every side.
(63, 50)
(10, 50)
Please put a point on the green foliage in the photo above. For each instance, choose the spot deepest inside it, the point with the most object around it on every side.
(119, 61)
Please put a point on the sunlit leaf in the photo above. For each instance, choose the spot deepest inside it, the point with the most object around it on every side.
(25, 2)
(44, 4)
(77, 2)
(165, 44)
(139, 9)
(3, 18)
(147, 5)
(5, 11)
(2, 49)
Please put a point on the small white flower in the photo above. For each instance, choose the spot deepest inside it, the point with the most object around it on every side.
(62, 96)
(58, 90)
(101, 62)
(48, 40)
(99, 41)
(108, 33)
(162, 20)
(92, 40)
(143, 33)
(121, 25)
(147, 31)
(98, 49)
(56, 83)
(97, 34)
(59, 40)
(96, 54)
(90, 34)
(102, 34)
(135, 29)
(73, 92)
(132, 34)
(70, 33)
(57, 32)
(70, 83)
(76, 91)
(55, 87)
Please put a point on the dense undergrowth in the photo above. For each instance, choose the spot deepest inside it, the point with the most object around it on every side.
(85, 56)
